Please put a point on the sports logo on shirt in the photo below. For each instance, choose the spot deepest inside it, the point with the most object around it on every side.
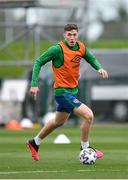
(76, 59)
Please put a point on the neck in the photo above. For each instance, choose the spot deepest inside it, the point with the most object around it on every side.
(68, 44)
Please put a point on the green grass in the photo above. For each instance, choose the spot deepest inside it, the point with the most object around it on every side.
(12, 71)
(14, 52)
(110, 44)
(61, 161)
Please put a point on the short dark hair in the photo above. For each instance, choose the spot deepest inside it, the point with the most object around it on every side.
(70, 27)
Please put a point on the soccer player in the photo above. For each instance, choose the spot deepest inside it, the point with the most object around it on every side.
(65, 57)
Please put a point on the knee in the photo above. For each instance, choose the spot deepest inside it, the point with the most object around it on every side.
(60, 119)
(58, 124)
(89, 117)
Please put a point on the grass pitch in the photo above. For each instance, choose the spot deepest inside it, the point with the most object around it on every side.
(61, 161)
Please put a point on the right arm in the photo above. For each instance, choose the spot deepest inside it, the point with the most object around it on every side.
(42, 60)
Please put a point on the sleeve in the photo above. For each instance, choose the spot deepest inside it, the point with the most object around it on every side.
(47, 56)
(92, 60)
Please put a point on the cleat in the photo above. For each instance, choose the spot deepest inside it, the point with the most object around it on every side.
(99, 153)
(33, 149)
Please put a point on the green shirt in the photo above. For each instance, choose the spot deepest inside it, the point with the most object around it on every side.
(55, 54)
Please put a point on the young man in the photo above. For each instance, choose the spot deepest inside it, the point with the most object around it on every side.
(65, 56)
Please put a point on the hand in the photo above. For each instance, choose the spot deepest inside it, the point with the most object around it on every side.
(34, 91)
(103, 73)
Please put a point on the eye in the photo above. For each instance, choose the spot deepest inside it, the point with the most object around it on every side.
(69, 34)
(74, 34)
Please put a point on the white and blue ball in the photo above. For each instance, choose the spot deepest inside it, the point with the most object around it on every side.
(88, 156)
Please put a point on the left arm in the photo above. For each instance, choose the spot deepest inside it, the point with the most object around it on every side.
(93, 61)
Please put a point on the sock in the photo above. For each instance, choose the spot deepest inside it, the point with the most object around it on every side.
(37, 140)
(85, 144)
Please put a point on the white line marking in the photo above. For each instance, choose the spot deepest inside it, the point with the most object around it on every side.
(103, 170)
(62, 171)
(18, 172)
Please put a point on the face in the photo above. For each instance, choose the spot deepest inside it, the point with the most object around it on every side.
(71, 37)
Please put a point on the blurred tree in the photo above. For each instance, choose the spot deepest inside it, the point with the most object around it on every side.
(2, 17)
(123, 13)
(116, 28)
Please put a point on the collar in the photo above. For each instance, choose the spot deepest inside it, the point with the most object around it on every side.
(75, 47)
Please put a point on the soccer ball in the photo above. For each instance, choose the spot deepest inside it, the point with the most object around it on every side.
(88, 156)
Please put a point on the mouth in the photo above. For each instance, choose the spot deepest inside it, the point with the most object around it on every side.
(72, 42)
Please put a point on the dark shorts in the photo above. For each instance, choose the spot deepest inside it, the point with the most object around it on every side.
(67, 102)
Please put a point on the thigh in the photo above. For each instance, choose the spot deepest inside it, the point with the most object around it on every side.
(83, 111)
(61, 117)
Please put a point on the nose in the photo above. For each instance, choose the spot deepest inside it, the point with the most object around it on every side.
(72, 37)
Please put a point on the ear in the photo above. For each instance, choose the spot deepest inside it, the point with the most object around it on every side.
(64, 35)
